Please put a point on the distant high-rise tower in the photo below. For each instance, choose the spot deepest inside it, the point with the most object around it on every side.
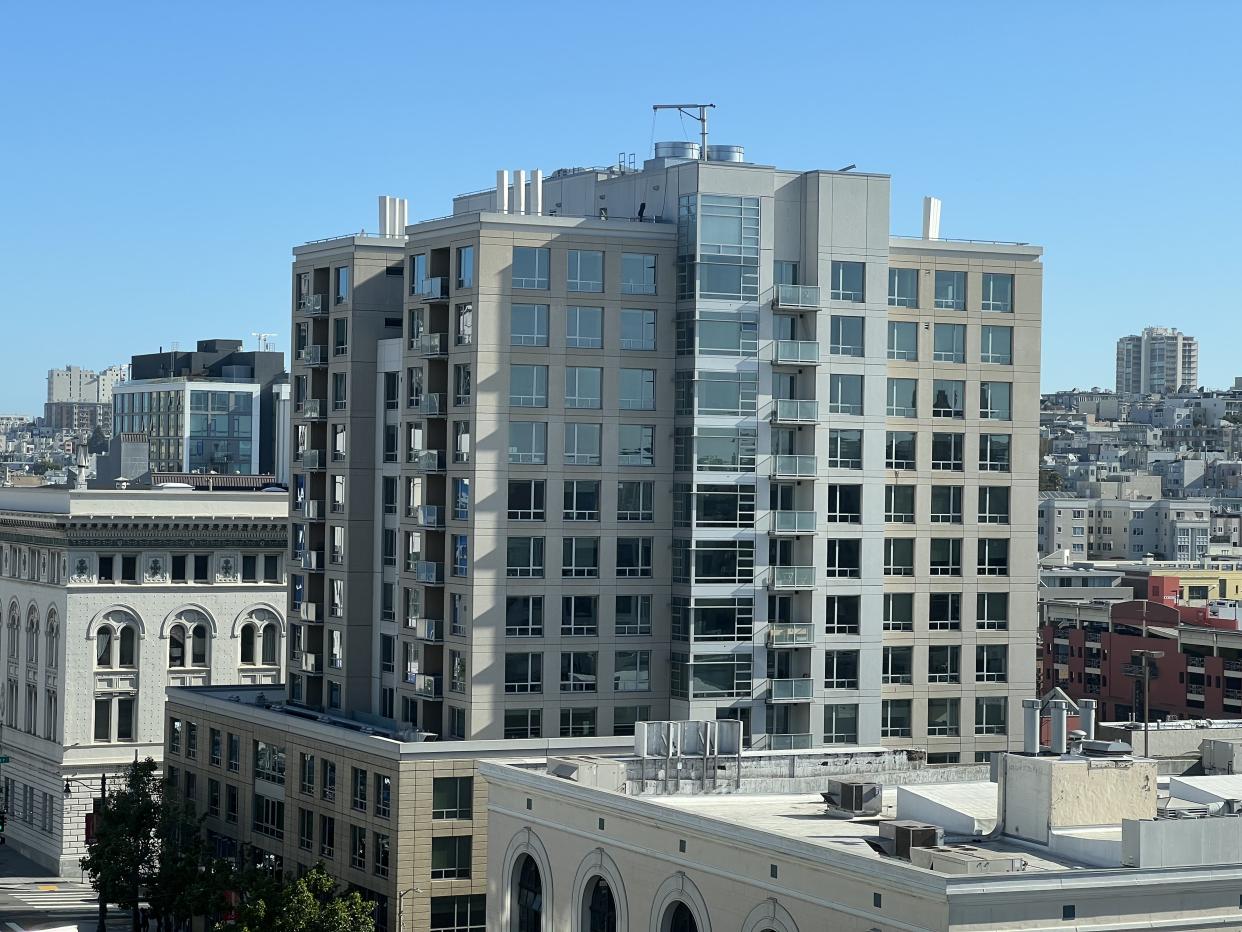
(1158, 361)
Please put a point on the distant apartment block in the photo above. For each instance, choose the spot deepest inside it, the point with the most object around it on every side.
(1158, 361)
(1122, 529)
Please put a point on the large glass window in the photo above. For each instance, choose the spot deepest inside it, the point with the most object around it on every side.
(997, 292)
(951, 290)
(900, 449)
(948, 398)
(718, 245)
(582, 445)
(465, 267)
(524, 557)
(584, 327)
(528, 386)
(636, 389)
(636, 445)
(996, 345)
(949, 343)
(528, 442)
(528, 325)
(530, 267)
(731, 393)
(903, 287)
(903, 397)
(638, 329)
(848, 281)
(585, 272)
(995, 401)
(903, 339)
(583, 387)
(846, 336)
(638, 273)
(845, 394)
(845, 449)
(994, 452)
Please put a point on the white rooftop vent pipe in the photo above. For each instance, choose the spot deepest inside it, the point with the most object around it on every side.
(931, 218)
(502, 191)
(1059, 738)
(1030, 726)
(519, 191)
(1086, 717)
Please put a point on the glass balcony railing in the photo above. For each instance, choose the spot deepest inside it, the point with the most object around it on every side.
(794, 465)
(797, 352)
(308, 611)
(795, 411)
(799, 690)
(793, 522)
(313, 409)
(428, 629)
(428, 685)
(429, 572)
(313, 459)
(312, 560)
(793, 577)
(434, 289)
(429, 403)
(431, 344)
(310, 662)
(429, 516)
(796, 297)
(791, 634)
(310, 304)
(426, 460)
(313, 355)
(789, 742)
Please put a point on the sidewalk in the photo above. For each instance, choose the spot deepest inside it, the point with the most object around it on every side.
(17, 866)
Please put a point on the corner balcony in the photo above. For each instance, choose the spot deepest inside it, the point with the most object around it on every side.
(312, 559)
(430, 404)
(795, 411)
(308, 611)
(791, 690)
(426, 460)
(310, 304)
(426, 685)
(430, 344)
(429, 572)
(312, 409)
(313, 356)
(791, 523)
(794, 466)
(791, 577)
(796, 353)
(309, 662)
(429, 516)
(434, 289)
(796, 298)
(430, 630)
(791, 634)
(313, 459)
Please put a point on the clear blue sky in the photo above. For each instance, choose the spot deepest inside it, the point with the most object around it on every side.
(158, 160)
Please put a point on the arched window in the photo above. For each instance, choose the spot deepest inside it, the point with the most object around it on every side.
(269, 644)
(176, 646)
(129, 646)
(53, 640)
(198, 645)
(247, 643)
(529, 896)
(680, 919)
(32, 636)
(601, 908)
(103, 646)
(14, 631)
(116, 641)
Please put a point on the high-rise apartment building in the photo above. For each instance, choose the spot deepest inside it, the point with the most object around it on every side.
(1158, 361)
(700, 440)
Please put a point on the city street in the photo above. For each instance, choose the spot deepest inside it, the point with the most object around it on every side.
(30, 901)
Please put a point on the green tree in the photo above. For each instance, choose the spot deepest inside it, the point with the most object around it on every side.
(98, 442)
(311, 903)
(1050, 481)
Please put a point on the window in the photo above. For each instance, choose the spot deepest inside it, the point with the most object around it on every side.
(898, 666)
(340, 336)
(847, 281)
(528, 442)
(994, 452)
(785, 272)
(461, 555)
(581, 500)
(846, 336)
(991, 715)
(230, 803)
(465, 267)
(903, 397)
(340, 396)
(944, 663)
(995, 400)
(215, 747)
(635, 445)
(992, 611)
(523, 723)
(898, 611)
(845, 394)
(176, 730)
(523, 673)
(949, 343)
(380, 854)
(946, 504)
(191, 741)
(530, 266)
(634, 557)
(578, 671)
(636, 389)
(841, 669)
(578, 723)
(306, 771)
(951, 290)
(633, 615)
(341, 284)
(844, 558)
(358, 847)
(947, 452)
(580, 557)
(991, 663)
(948, 398)
(994, 504)
(638, 329)
(638, 273)
(996, 345)
(632, 671)
(944, 611)
(269, 762)
(624, 717)
(993, 556)
(946, 556)
(452, 797)
(306, 829)
(524, 616)
(841, 724)
(899, 449)
(528, 386)
(526, 500)
(842, 617)
(269, 816)
(635, 500)
(528, 325)
(899, 504)
(943, 717)
(903, 339)
(895, 718)
(234, 753)
(524, 557)
(997, 292)
(582, 444)
(727, 239)
(845, 504)
(461, 385)
(584, 327)
(903, 287)
(450, 857)
(898, 556)
(585, 272)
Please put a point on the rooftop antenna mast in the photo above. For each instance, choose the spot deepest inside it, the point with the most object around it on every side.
(701, 116)
(264, 340)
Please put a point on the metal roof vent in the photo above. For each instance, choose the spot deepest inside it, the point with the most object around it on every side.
(678, 150)
(726, 154)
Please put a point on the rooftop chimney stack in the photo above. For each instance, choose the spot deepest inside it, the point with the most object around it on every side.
(393, 215)
(931, 218)
(502, 191)
(1059, 736)
(519, 191)
(1030, 726)
(1086, 717)
(536, 192)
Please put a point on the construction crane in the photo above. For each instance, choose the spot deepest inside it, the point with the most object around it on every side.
(264, 339)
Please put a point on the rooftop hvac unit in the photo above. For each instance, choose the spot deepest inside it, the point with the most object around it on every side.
(964, 859)
(853, 798)
(904, 835)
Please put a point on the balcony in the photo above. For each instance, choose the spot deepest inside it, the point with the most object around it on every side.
(429, 516)
(790, 634)
(796, 353)
(795, 298)
(430, 344)
(1233, 666)
(792, 577)
(426, 460)
(786, 742)
(434, 289)
(309, 662)
(1093, 637)
(794, 465)
(308, 611)
(313, 459)
(792, 522)
(429, 572)
(430, 404)
(312, 560)
(427, 685)
(1233, 695)
(313, 356)
(1194, 661)
(313, 409)
(800, 690)
(430, 630)
(310, 304)
(795, 411)
(312, 510)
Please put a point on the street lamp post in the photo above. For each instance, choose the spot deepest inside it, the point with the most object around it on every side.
(1145, 658)
(102, 925)
(401, 906)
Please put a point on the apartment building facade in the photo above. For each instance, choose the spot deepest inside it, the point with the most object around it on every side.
(107, 598)
(697, 441)
(1122, 529)
(1158, 361)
